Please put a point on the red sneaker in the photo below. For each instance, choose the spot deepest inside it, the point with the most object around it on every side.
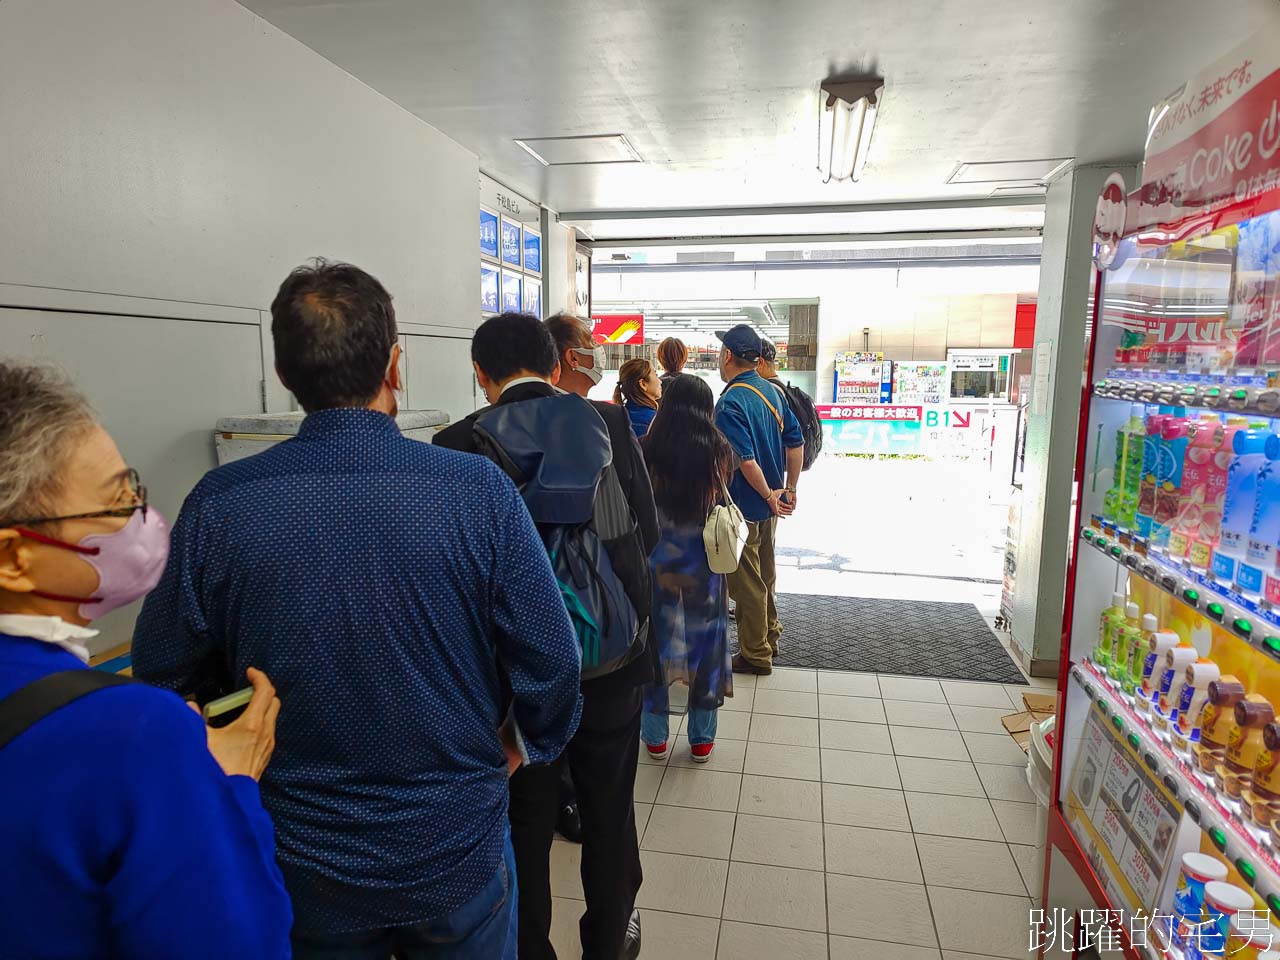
(701, 752)
(658, 752)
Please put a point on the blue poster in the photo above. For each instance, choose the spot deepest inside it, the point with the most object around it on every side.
(533, 298)
(510, 242)
(511, 293)
(488, 289)
(488, 234)
(532, 251)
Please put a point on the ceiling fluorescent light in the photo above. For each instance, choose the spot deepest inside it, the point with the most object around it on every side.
(846, 118)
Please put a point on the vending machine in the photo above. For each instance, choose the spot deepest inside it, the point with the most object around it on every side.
(1166, 799)
(862, 378)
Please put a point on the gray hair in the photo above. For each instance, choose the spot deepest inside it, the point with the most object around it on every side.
(41, 414)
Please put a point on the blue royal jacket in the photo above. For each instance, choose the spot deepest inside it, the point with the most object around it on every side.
(122, 836)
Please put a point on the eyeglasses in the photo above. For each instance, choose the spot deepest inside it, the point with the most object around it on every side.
(136, 490)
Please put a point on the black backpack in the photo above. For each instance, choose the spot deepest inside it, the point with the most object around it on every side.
(557, 451)
(801, 405)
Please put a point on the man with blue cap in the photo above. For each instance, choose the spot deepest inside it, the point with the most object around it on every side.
(758, 422)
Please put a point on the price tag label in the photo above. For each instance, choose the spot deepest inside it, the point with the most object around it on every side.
(1111, 828)
(1140, 874)
(1119, 782)
(1146, 817)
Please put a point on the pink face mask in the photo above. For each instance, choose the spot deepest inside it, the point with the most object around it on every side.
(129, 562)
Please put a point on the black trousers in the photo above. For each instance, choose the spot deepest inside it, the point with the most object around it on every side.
(602, 759)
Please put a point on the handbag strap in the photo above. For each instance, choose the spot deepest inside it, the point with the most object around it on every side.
(30, 704)
(776, 415)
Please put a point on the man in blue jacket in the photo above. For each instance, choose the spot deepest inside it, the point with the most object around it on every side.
(757, 420)
(400, 599)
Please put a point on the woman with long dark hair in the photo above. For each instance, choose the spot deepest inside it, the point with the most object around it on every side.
(689, 461)
(639, 391)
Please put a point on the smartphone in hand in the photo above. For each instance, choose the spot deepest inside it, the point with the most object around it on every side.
(223, 708)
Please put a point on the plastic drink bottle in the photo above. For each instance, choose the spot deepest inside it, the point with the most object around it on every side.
(1244, 743)
(1249, 449)
(1174, 440)
(1139, 644)
(1216, 721)
(1260, 554)
(1112, 621)
(1191, 700)
(1163, 705)
(1158, 645)
(1206, 437)
(1152, 461)
(1205, 539)
(1262, 798)
(1120, 503)
(1251, 299)
(1119, 665)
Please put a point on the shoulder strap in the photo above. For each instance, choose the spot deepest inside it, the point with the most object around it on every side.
(776, 415)
(28, 705)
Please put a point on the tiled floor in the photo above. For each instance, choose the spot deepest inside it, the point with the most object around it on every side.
(843, 817)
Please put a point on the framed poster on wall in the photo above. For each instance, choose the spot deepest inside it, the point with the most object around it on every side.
(532, 250)
(489, 301)
(533, 297)
(510, 243)
(488, 234)
(511, 292)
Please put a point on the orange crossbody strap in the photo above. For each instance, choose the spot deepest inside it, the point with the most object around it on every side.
(777, 416)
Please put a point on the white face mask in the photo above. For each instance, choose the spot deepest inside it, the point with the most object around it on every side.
(594, 373)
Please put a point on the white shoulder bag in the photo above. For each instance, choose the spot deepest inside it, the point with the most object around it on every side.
(724, 535)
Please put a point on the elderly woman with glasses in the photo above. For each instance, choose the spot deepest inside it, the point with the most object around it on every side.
(129, 828)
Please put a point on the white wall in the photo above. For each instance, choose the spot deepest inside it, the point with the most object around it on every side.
(188, 150)
(914, 312)
(163, 165)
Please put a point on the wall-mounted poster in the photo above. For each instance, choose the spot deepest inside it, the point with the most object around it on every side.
(618, 327)
(532, 250)
(488, 289)
(511, 292)
(533, 297)
(510, 243)
(488, 234)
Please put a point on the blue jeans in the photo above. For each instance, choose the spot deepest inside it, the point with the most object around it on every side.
(654, 727)
(483, 928)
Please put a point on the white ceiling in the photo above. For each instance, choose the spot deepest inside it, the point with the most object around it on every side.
(720, 98)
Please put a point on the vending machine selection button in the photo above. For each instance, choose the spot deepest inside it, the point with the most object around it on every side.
(1219, 838)
(1193, 810)
(1247, 871)
(1272, 644)
(1242, 627)
(1192, 596)
(1216, 611)
(1274, 903)
(1118, 722)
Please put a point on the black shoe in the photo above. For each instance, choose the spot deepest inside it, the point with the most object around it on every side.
(631, 946)
(569, 824)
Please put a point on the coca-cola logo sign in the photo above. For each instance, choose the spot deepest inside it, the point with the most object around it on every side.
(1108, 221)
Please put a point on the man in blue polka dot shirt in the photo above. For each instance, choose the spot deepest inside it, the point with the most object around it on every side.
(387, 587)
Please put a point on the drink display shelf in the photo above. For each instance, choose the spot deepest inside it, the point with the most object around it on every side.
(1244, 394)
(1217, 816)
(1254, 621)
